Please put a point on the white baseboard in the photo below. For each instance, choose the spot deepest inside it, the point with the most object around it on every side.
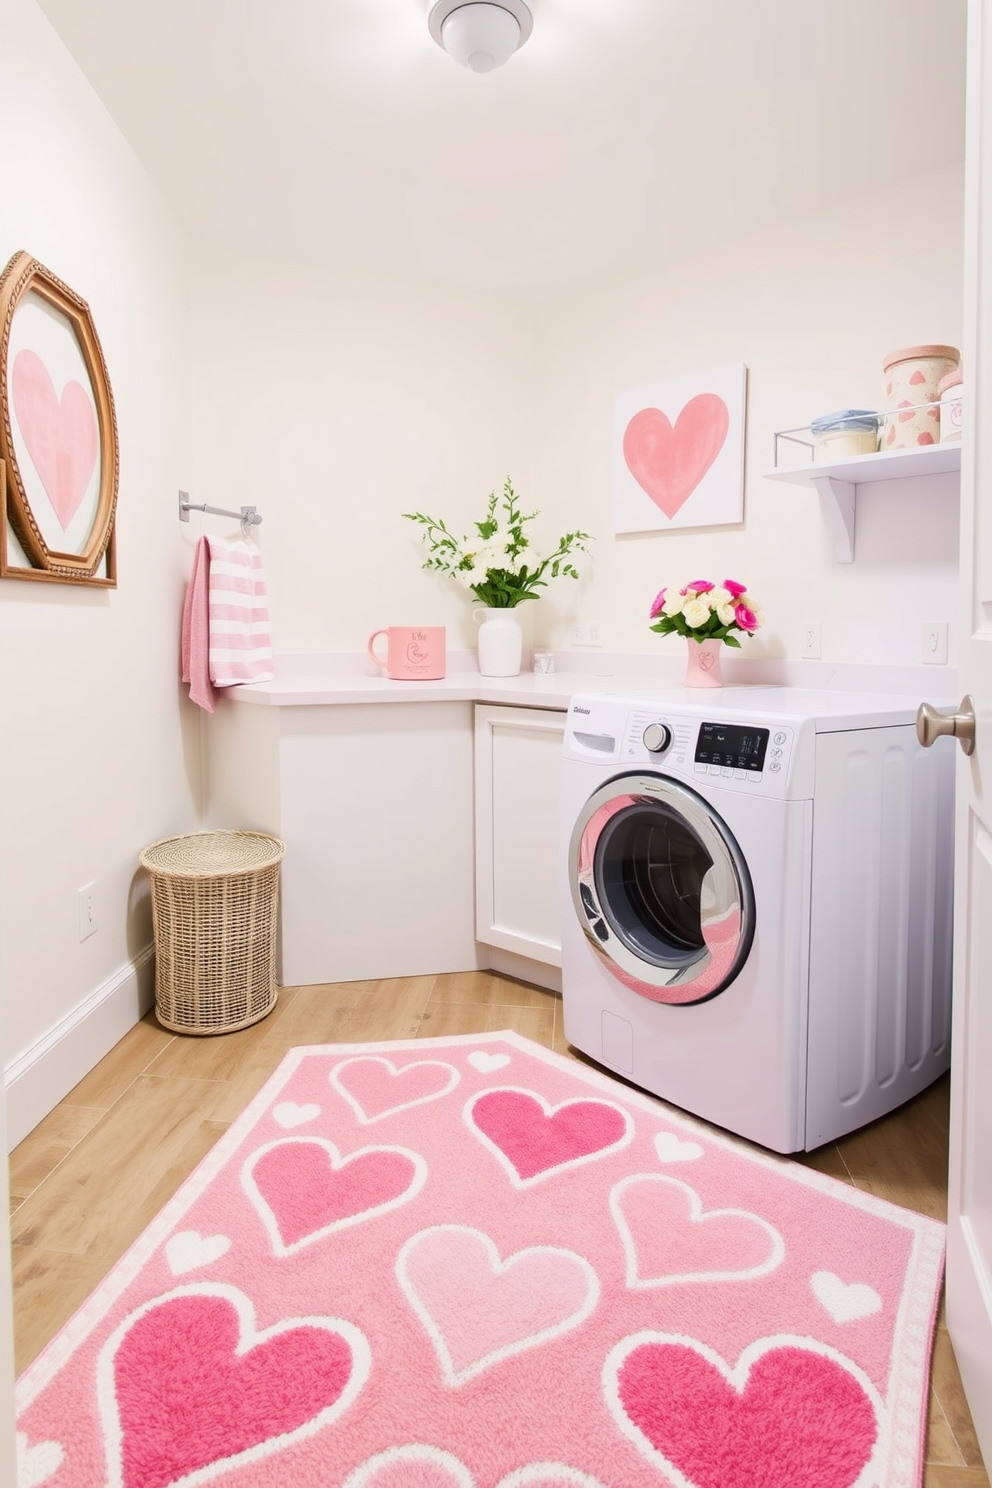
(523, 968)
(40, 1077)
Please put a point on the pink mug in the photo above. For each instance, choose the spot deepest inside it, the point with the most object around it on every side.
(415, 653)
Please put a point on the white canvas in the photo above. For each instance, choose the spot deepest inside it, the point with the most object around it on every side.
(678, 452)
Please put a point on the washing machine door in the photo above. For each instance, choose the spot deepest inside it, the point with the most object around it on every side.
(661, 889)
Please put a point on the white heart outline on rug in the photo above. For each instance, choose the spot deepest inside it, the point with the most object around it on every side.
(697, 1215)
(846, 1302)
(396, 1072)
(560, 1473)
(38, 1462)
(737, 1377)
(549, 1110)
(498, 1267)
(486, 1063)
(537, 1472)
(670, 1148)
(361, 1357)
(288, 1114)
(365, 1472)
(265, 1212)
(188, 1250)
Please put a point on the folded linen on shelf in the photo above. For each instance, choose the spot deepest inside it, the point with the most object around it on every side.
(226, 638)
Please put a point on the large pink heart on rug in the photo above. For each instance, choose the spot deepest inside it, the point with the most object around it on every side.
(533, 1138)
(478, 1308)
(376, 1087)
(668, 1238)
(791, 1415)
(668, 463)
(194, 1387)
(60, 435)
(303, 1188)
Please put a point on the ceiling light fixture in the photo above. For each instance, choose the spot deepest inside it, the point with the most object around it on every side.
(482, 34)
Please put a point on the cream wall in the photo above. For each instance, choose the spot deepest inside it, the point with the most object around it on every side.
(99, 757)
(337, 403)
(811, 308)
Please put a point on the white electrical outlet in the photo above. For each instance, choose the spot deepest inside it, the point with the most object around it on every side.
(935, 642)
(87, 911)
(811, 642)
(587, 633)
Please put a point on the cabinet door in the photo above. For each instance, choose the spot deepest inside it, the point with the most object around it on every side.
(517, 835)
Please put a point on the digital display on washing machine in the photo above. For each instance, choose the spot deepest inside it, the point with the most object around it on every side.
(731, 746)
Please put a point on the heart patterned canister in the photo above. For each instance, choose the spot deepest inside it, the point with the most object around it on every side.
(912, 377)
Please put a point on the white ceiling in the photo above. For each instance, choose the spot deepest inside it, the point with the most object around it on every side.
(624, 135)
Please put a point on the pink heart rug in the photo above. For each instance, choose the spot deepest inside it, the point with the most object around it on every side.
(471, 1263)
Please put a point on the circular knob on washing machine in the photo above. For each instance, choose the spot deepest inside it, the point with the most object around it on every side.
(657, 737)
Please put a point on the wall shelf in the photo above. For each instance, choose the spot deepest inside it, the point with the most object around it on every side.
(836, 482)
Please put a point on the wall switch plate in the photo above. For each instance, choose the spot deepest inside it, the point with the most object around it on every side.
(935, 642)
(87, 911)
(811, 642)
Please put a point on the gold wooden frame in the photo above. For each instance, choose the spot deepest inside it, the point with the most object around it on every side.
(25, 275)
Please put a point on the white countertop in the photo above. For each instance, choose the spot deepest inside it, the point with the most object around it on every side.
(337, 678)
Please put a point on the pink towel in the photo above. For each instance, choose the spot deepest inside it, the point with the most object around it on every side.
(225, 634)
(196, 631)
(240, 643)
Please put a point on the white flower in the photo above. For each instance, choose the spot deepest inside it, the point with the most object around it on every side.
(696, 612)
(719, 596)
(673, 603)
(726, 613)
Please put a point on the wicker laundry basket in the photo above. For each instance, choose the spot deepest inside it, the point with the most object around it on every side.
(214, 901)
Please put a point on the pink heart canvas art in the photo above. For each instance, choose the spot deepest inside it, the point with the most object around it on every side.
(469, 1262)
(678, 452)
(59, 432)
(668, 461)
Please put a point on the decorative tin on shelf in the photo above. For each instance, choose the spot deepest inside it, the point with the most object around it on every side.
(912, 377)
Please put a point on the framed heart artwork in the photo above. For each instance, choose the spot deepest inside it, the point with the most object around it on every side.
(678, 453)
(58, 434)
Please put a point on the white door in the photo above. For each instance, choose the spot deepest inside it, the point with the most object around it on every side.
(969, 1254)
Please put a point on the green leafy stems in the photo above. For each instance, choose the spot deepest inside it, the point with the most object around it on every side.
(491, 563)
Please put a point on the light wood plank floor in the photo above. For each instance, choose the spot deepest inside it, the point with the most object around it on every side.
(100, 1166)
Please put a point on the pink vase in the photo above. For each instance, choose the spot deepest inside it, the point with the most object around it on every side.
(703, 664)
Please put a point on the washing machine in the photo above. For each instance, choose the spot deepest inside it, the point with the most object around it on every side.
(757, 907)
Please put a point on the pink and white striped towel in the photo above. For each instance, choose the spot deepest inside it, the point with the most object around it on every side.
(225, 633)
(240, 641)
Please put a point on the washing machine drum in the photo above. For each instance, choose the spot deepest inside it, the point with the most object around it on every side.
(661, 889)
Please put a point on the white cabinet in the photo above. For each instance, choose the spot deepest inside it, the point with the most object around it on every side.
(837, 482)
(374, 803)
(517, 837)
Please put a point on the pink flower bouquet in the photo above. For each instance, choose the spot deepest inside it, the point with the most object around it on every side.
(704, 611)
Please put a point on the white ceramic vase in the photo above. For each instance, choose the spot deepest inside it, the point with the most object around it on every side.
(500, 642)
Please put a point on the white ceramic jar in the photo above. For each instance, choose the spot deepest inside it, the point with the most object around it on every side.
(912, 377)
(850, 431)
(951, 391)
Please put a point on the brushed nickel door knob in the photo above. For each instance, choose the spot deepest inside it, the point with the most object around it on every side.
(931, 725)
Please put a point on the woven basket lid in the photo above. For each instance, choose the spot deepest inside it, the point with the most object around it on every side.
(212, 854)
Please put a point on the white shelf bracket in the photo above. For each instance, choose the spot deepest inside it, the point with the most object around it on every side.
(837, 499)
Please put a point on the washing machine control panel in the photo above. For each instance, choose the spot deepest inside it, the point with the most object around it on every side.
(743, 756)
